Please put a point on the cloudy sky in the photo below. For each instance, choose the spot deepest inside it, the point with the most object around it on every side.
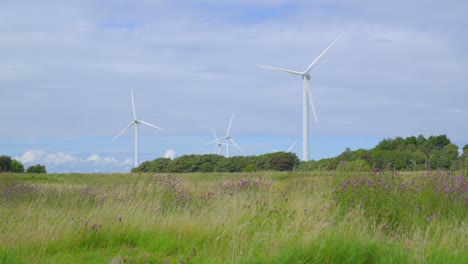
(67, 67)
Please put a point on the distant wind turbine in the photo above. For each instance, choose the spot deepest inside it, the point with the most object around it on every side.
(218, 142)
(228, 139)
(307, 98)
(136, 122)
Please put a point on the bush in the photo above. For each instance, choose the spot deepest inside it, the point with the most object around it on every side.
(36, 169)
(250, 168)
(354, 166)
(17, 166)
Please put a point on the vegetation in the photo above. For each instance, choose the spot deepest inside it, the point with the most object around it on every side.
(17, 167)
(7, 164)
(409, 154)
(36, 169)
(280, 161)
(262, 217)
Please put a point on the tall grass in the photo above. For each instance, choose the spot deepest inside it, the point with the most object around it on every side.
(263, 217)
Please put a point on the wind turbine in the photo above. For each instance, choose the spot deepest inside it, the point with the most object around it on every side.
(218, 142)
(307, 98)
(136, 122)
(228, 139)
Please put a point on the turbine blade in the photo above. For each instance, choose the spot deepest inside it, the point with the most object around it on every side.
(311, 99)
(217, 140)
(321, 55)
(133, 105)
(214, 133)
(229, 127)
(279, 69)
(212, 142)
(150, 125)
(235, 144)
(123, 131)
(292, 146)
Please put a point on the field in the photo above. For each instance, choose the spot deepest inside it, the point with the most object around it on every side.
(263, 217)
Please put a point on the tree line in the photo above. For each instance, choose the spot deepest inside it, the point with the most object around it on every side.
(7, 164)
(280, 161)
(411, 153)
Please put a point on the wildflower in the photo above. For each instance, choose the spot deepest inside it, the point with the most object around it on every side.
(243, 183)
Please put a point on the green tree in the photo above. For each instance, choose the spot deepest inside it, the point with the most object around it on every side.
(421, 140)
(411, 141)
(448, 156)
(283, 161)
(439, 142)
(17, 166)
(464, 159)
(36, 169)
(418, 160)
(465, 152)
(5, 163)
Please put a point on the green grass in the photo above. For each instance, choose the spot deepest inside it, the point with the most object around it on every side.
(262, 217)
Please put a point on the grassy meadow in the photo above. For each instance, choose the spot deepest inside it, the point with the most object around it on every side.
(263, 217)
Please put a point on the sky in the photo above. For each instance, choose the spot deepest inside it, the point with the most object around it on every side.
(400, 68)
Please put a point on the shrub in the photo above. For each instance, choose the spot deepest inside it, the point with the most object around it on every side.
(36, 169)
(17, 167)
(354, 166)
(250, 168)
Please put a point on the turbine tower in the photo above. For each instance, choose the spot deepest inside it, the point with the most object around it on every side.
(307, 99)
(136, 122)
(228, 139)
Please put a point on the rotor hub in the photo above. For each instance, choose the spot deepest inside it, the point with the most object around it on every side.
(306, 76)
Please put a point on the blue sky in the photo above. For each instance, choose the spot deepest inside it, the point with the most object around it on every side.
(67, 67)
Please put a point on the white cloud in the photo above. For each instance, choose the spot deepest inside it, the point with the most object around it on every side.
(61, 162)
(94, 157)
(102, 160)
(170, 154)
(31, 157)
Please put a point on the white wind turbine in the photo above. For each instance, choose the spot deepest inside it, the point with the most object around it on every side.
(307, 98)
(136, 122)
(228, 139)
(218, 142)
